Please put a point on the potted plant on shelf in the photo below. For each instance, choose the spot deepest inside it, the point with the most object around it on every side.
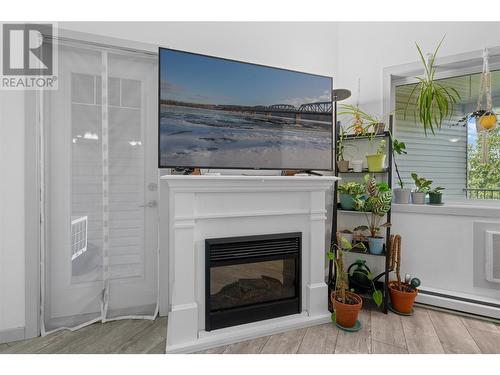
(361, 280)
(436, 195)
(401, 194)
(422, 186)
(347, 234)
(376, 161)
(376, 205)
(362, 123)
(402, 294)
(434, 102)
(342, 164)
(348, 192)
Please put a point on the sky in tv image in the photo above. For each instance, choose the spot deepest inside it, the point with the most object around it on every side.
(222, 114)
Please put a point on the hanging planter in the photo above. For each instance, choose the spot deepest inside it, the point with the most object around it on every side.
(434, 102)
(486, 119)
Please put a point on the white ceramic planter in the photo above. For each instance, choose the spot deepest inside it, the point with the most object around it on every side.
(357, 165)
(418, 198)
(402, 196)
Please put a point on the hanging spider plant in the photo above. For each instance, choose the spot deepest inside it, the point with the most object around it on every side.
(434, 102)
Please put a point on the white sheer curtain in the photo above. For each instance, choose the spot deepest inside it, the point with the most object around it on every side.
(100, 255)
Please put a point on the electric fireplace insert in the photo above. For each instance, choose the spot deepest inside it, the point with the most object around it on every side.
(251, 278)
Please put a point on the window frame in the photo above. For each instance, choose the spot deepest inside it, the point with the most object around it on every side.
(448, 67)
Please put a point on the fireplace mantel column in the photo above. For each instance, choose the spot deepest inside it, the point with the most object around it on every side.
(184, 313)
(316, 288)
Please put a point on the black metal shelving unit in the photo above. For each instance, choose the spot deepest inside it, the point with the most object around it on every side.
(337, 210)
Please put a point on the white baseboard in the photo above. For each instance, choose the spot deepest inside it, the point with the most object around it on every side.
(11, 334)
(225, 336)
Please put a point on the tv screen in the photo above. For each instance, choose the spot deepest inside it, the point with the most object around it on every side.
(220, 113)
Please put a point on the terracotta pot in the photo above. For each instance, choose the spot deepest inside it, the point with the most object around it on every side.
(346, 314)
(402, 301)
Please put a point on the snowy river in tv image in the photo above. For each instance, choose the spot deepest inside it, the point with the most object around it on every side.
(197, 137)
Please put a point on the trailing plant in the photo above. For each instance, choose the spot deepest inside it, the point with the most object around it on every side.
(376, 205)
(336, 254)
(362, 123)
(381, 147)
(434, 102)
(400, 149)
(352, 188)
(421, 183)
(341, 145)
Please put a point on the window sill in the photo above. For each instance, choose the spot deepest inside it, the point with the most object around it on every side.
(476, 208)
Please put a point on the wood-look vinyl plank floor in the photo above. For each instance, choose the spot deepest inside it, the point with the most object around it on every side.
(427, 331)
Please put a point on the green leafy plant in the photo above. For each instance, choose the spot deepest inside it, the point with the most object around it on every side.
(434, 102)
(381, 147)
(376, 205)
(361, 123)
(341, 145)
(400, 149)
(352, 188)
(436, 190)
(422, 184)
(376, 293)
(342, 280)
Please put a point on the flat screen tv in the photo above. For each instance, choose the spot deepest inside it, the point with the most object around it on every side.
(219, 113)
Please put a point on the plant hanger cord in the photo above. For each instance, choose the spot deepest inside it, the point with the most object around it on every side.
(484, 92)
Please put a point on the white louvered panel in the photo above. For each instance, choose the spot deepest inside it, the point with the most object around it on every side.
(493, 256)
(435, 156)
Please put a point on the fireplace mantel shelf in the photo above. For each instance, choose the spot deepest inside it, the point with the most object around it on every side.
(196, 208)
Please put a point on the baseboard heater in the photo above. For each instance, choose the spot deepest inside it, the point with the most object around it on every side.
(458, 303)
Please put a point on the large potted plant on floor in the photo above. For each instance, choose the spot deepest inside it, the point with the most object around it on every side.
(402, 294)
(345, 303)
(401, 194)
(422, 187)
(348, 192)
(376, 205)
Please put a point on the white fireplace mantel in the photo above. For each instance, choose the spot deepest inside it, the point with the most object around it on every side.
(194, 208)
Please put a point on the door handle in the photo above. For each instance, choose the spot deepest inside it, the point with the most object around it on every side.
(150, 204)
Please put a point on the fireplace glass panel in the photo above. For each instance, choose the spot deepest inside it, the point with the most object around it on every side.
(252, 283)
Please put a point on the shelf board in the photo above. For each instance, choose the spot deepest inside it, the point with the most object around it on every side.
(352, 137)
(364, 171)
(367, 252)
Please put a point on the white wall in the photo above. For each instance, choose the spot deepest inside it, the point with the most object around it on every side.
(11, 210)
(305, 46)
(366, 48)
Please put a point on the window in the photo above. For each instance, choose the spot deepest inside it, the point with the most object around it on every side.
(451, 157)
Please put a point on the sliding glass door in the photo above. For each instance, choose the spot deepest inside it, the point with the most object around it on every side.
(100, 257)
